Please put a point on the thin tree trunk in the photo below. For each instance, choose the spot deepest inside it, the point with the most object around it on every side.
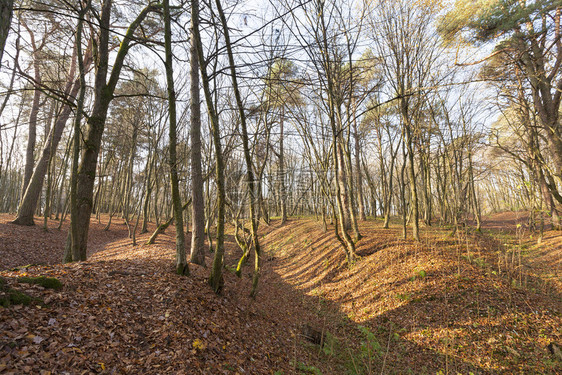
(408, 139)
(162, 227)
(32, 130)
(148, 189)
(181, 260)
(281, 175)
(402, 188)
(216, 279)
(358, 173)
(74, 251)
(198, 208)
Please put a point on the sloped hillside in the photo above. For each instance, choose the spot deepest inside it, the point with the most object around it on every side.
(440, 305)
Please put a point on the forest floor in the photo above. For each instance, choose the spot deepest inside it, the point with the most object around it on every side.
(486, 303)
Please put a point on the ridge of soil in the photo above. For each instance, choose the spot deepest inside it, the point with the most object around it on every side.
(452, 308)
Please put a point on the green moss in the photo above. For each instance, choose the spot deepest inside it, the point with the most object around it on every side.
(15, 297)
(45, 282)
(19, 298)
(9, 296)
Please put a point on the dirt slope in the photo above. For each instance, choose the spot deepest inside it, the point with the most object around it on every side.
(433, 306)
(440, 306)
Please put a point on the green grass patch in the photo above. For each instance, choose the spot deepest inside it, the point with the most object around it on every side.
(480, 262)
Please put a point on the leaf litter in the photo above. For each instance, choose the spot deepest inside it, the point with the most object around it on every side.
(124, 311)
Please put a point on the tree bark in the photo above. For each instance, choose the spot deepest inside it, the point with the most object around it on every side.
(6, 10)
(181, 260)
(216, 280)
(103, 94)
(198, 208)
(73, 250)
(408, 139)
(32, 130)
(281, 174)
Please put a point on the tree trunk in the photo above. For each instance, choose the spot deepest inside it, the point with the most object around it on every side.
(148, 192)
(103, 94)
(35, 185)
(358, 173)
(181, 260)
(198, 207)
(216, 279)
(74, 251)
(6, 9)
(408, 139)
(281, 174)
(32, 132)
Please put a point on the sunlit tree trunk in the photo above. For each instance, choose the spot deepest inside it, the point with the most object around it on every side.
(411, 169)
(281, 176)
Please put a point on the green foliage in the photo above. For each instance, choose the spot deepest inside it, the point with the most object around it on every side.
(283, 85)
(369, 346)
(419, 274)
(305, 369)
(479, 21)
(233, 269)
(331, 344)
(361, 362)
(45, 282)
(480, 262)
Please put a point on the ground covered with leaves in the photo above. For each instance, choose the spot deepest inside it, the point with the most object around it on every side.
(480, 303)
